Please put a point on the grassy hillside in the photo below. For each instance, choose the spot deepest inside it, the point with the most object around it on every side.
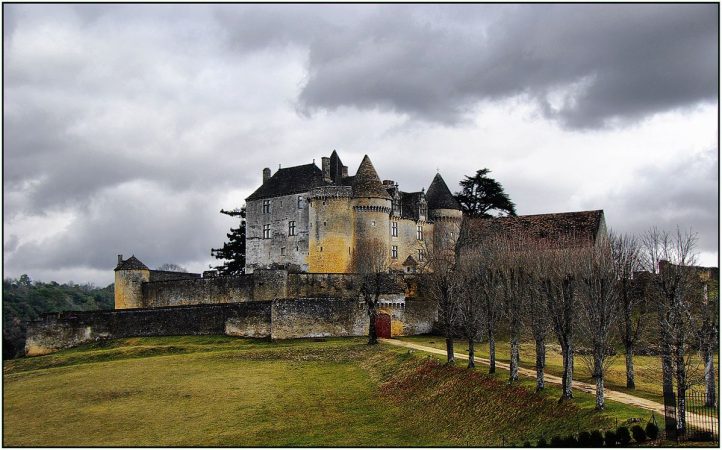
(648, 369)
(222, 391)
(25, 300)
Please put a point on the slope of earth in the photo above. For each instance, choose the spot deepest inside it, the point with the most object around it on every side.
(221, 391)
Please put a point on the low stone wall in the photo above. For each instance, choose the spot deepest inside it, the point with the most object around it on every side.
(277, 319)
(197, 291)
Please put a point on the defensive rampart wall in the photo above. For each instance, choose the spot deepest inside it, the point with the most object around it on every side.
(277, 319)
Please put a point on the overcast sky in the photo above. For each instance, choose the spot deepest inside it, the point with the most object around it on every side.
(128, 127)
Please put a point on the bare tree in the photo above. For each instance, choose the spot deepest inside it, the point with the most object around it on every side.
(671, 258)
(709, 333)
(470, 318)
(598, 301)
(559, 288)
(535, 309)
(625, 254)
(439, 280)
(515, 280)
(371, 261)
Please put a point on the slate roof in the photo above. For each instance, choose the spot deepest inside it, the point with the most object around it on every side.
(439, 196)
(290, 180)
(410, 204)
(571, 229)
(410, 261)
(131, 263)
(366, 182)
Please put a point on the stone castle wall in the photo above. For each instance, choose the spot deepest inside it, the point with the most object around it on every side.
(277, 319)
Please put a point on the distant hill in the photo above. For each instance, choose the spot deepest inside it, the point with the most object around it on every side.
(24, 299)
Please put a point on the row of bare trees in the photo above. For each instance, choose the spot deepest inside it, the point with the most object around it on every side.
(585, 295)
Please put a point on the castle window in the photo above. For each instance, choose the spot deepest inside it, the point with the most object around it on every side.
(421, 254)
(420, 232)
(283, 251)
(267, 231)
(324, 223)
(394, 252)
(266, 206)
(373, 223)
(394, 229)
(422, 210)
(291, 227)
(300, 202)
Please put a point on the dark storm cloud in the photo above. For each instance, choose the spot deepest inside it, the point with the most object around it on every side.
(137, 120)
(609, 62)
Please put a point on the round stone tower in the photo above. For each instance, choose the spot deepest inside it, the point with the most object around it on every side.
(330, 233)
(445, 213)
(372, 205)
(130, 274)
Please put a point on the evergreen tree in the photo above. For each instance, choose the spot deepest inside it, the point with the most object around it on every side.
(481, 194)
(233, 251)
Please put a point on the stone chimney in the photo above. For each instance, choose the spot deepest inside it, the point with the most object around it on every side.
(326, 167)
(120, 259)
(266, 174)
(344, 171)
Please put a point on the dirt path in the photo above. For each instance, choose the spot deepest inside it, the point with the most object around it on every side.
(617, 396)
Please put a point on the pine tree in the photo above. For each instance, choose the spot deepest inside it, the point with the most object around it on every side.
(233, 251)
(481, 194)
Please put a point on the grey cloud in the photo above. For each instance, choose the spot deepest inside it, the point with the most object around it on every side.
(637, 59)
(683, 194)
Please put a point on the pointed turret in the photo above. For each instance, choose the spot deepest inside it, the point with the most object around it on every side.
(439, 196)
(367, 182)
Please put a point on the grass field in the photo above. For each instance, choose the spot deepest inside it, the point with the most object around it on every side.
(221, 391)
(648, 369)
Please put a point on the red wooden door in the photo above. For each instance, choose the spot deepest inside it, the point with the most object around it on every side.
(383, 325)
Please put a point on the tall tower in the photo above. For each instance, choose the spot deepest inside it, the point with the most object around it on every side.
(372, 206)
(446, 214)
(129, 277)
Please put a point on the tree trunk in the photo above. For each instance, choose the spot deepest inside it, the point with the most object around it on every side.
(492, 351)
(681, 388)
(540, 363)
(568, 362)
(629, 356)
(709, 377)
(471, 354)
(514, 358)
(373, 337)
(667, 372)
(450, 350)
(599, 378)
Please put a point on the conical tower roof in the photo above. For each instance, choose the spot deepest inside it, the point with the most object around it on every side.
(131, 263)
(367, 182)
(439, 196)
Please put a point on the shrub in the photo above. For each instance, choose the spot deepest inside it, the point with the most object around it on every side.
(639, 434)
(541, 442)
(652, 431)
(623, 436)
(596, 439)
(557, 441)
(526, 444)
(610, 438)
(585, 439)
(570, 441)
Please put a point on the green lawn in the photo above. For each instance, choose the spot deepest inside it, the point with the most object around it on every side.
(221, 391)
(648, 369)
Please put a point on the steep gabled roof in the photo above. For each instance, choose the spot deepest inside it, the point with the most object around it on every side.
(131, 263)
(570, 229)
(291, 180)
(367, 183)
(410, 261)
(439, 196)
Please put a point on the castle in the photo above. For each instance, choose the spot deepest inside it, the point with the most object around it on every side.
(308, 219)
